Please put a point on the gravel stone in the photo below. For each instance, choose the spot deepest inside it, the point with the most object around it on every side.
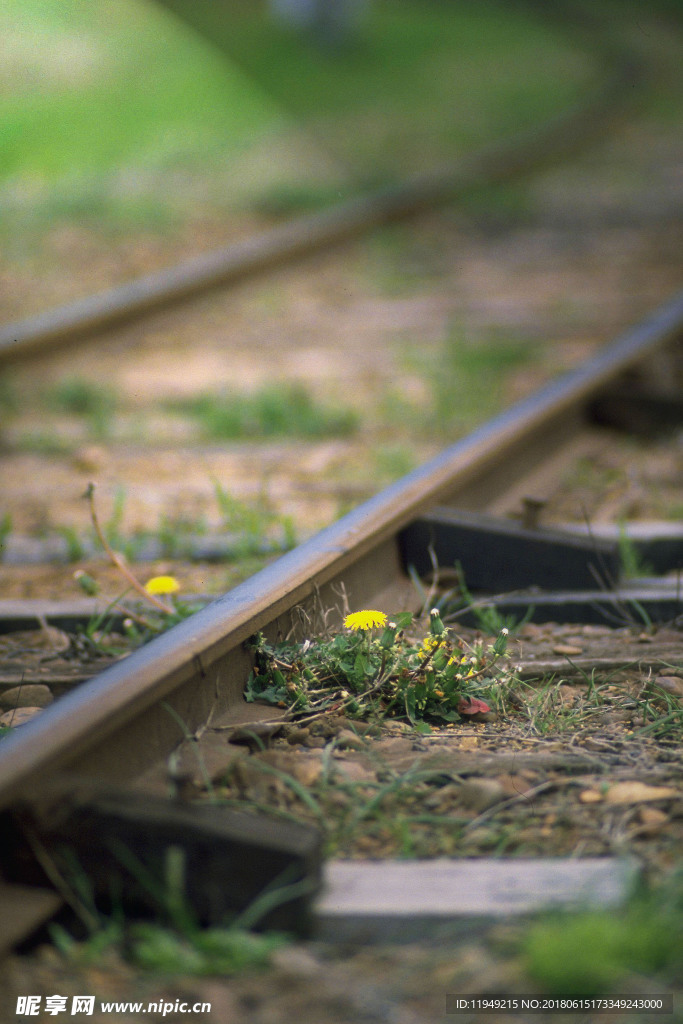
(480, 794)
(29, 695)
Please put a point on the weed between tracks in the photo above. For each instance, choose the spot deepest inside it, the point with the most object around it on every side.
(373, 670)
(380, 749)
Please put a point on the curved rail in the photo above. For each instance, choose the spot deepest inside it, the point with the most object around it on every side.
(119, 723)
(499, 162)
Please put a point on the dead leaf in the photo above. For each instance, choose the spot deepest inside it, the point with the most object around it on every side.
(472, 706)
(637, 792)
(19, 716)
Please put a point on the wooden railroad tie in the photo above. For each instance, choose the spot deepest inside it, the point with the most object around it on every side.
(128, 844)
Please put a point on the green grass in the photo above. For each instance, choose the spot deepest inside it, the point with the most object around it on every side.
(102, 104)
(94, 402)
(464, 377)
(103, 86)
(590, 953)
(423, 80)
(172, 942)
(272, 411)
(100, 101)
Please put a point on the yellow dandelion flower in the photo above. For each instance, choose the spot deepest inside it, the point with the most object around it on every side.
(367, 619)
(429, 645)
(162, 585)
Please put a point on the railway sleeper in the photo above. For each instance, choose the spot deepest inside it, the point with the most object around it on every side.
(150, 856)
(500, 554)
(545, 575)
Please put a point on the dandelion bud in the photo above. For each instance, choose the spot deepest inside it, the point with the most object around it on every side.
(436, 626)
(86, 582)
(500, 645)
(388, 637)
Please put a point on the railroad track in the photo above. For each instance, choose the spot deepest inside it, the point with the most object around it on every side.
(94, 767)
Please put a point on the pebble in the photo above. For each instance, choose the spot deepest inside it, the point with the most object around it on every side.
(441, 798)
(637, 792)
(351, 771)
(308, 770)
(298, 735)
(652, 815)
(394, 745)
(367, 728)
(89, 459)
(255, 734)
(325, 727)
(480, 794)
(47, 638)
(315, 742)
(348, 740)
(28, 695)
(567, 649)
(593, 630)
(672, 685)
(296, 962)
(533, 631)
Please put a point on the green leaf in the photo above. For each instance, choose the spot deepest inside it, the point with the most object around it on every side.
(411, 703)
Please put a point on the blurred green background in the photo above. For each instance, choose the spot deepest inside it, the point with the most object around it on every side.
(123, 114)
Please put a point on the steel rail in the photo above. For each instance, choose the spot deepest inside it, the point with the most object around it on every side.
(125, 720)
(501, 161)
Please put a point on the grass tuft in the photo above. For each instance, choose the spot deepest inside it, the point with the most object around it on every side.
(284, 411)
(587, 954)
